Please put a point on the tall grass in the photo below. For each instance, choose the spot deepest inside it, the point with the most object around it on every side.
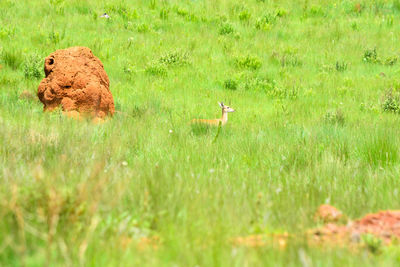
(147, 188)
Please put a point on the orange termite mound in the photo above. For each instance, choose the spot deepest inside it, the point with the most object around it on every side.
(384, 225)
(76, 81)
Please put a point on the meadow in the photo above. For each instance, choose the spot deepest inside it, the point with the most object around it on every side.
(316, 89)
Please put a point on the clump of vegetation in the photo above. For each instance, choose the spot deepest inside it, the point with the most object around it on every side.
(390, 61)
(231, 84)
(391, 101)
(164, 13)
(370, 56)
(226, 28)
(372, 243)
(248, 62)
(244, 15)
(335, 117)
(142, 28)
(175, 58)
(341, 66)
(265, 22)
(33, 66)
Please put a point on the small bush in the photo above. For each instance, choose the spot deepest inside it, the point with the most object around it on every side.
(370, 56)
(230, 84)
(181, 11)
(244, 15)
(265, 22)
(390, 61)
(226, 28)
(391, 102)
(373, 243)
(33, 66)
(248, 62)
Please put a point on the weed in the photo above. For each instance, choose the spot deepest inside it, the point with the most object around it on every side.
(248, 62)
(226, 28)
(244, 15)
(372, 243)
(164, 13)
(390, 61)
(341, 66)
(55, 37)
(281, 12)
(230, 84)
(265, 22)
(33, 66)
(370, 56)
(391, 101)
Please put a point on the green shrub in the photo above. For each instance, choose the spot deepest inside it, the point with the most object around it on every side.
(370, 56)
(390, 61)
(230, 84)
(391, 102)
(33, 66)
(244, 15)
(226, 28)
(248, 62)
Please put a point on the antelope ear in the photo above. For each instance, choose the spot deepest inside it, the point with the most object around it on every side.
(221, 104)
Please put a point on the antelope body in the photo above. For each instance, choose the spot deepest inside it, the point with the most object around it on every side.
(215, 122)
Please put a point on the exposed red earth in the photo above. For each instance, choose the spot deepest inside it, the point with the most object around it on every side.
(384, 225)
(76, 81)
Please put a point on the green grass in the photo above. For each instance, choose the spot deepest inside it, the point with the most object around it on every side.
(309, 128)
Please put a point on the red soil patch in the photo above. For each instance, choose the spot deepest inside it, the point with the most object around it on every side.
(76, 81)
(384, 225)
(328, 213)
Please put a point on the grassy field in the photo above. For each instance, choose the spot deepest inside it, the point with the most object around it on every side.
(315, 85)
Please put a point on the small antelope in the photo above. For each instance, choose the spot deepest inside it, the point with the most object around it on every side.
(215, 122)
